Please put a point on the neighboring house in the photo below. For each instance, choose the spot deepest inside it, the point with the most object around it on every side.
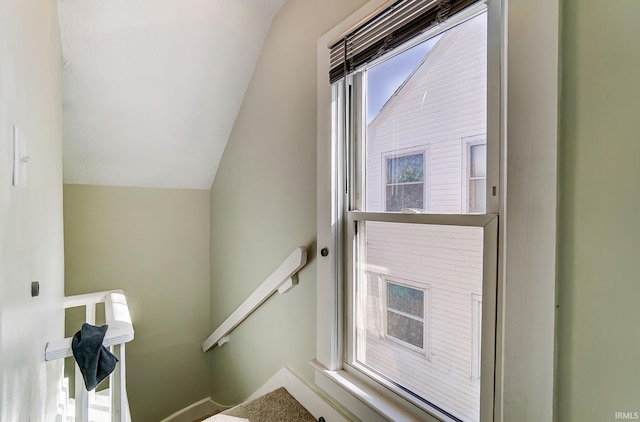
(426, 152)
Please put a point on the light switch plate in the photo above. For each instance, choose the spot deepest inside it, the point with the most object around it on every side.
(20, 158)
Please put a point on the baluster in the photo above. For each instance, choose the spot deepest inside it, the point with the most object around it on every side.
(118, 386)
(82, 398)
(90, 314)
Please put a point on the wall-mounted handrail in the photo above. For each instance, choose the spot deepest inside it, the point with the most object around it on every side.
(282, 280)
(120, 331)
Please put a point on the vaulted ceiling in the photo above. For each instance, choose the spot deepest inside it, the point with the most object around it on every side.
(151, 88)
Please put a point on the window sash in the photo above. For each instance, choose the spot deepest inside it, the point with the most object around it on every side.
(489, 223)
(388, 284)
(354, 157)
(399, 340)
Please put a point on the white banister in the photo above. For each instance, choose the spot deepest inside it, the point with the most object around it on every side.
(117, 318)
(120, 331)
(282, 279)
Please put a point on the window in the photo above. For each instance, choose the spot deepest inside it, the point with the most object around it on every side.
(522, 120)
(477, 178)
(425, 96)
(406, 315)
(405, 182)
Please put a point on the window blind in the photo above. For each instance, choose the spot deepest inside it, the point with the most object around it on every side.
(392, 27)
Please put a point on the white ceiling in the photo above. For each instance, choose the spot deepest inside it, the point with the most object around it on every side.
(151, 88)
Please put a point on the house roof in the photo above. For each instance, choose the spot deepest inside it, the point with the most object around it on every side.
(438, 50)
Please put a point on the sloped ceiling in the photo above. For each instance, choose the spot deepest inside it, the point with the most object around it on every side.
(151, 88)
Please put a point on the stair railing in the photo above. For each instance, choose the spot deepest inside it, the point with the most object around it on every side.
(283, 279)
(119, 333)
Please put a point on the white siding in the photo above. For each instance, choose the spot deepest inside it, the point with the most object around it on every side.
(442, 103)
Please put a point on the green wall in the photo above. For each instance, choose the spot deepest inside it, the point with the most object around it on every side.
(263, 205)
(153, 244)
(599, 232)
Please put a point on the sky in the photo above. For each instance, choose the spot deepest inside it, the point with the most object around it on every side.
(385, 78)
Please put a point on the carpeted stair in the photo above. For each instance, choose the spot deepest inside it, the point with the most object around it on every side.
(276, 406)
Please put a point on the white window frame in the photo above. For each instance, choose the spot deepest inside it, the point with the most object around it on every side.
(523, 87)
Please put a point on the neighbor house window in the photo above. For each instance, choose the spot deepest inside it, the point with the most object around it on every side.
(476, 177)
(405, 182)
(406, 319)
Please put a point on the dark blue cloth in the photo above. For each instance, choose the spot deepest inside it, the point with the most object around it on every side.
(94, 360)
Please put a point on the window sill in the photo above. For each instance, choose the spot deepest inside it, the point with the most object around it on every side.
(362, 400)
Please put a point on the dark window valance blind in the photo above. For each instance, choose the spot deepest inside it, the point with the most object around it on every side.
(390, 28)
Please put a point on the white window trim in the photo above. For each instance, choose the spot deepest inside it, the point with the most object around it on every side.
(528, 124)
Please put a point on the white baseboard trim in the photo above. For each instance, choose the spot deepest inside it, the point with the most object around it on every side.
(194, 411)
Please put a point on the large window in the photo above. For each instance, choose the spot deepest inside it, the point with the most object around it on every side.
(450, 243)
(412, 227)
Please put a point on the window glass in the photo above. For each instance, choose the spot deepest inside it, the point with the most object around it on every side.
(411, 283)
(405, 299)
(405, 313)
(420, 105)
(405, 329)
(477, 178)
(405, 182)
(407, 169)
(478, 160)
(415, 322)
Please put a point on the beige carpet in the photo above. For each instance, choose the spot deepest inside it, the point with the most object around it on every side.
(276, 406)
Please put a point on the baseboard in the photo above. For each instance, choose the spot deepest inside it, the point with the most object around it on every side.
(190, 413)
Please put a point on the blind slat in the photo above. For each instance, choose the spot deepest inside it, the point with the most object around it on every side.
(392, 27)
